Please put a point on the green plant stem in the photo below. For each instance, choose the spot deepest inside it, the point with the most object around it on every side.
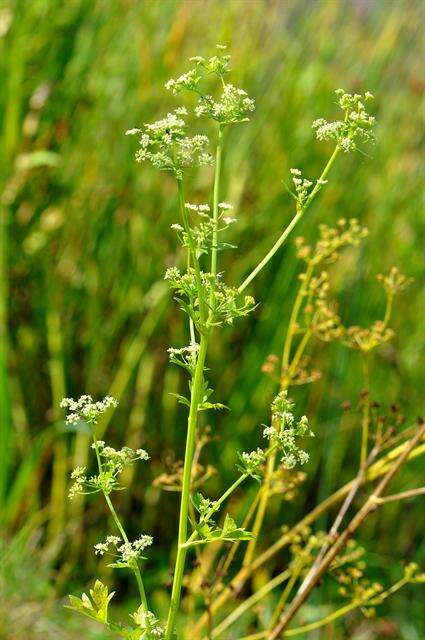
(134, 567)
(216, 196)
(299, 352)
(197, 384)
(410, 493)
(295, 220)
(293, 319)
(262, 506)
(191, 541)
(192, 249)
(284, 383)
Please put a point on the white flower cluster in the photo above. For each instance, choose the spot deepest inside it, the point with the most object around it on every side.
(185, 356)
(164, 143)
(103, 547)
(394, 282)
(204, 505)
(303, 187)
(131, 551)
(250, 463)
(218, 64)
(112, 465)
(233, 106)
(84, 409)
(285, 430)
(147, 621)
(203, 233)
(189, 81)
(79, 477)
(122, 457)
(356, 125)
(127, 552)
(201, 209)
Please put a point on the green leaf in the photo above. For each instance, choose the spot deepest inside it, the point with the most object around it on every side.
(211, 405)
(96, 607)
(230, 531)
(196, 500)
(181, 399)
(204, 530)
(118, 565)
(101, 599)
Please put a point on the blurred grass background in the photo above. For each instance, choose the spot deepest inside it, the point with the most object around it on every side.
(85, 239)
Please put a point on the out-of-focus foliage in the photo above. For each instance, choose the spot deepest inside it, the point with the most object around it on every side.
(86, 238)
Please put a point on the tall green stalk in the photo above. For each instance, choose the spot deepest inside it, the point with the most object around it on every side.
(197, 384)
(216, 197)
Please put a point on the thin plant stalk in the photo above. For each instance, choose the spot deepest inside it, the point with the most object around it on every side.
(216, 197)
(295, 220)
(285, 380)
(185, 496)
(134, 566)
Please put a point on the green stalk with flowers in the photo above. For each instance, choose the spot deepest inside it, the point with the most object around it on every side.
(209, 303)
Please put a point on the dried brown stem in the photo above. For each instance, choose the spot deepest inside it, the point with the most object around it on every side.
(370, 505)
(379, 468)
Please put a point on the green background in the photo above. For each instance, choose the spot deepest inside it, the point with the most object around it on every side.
(86, 239)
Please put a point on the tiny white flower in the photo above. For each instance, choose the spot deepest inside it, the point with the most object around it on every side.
(132, 132)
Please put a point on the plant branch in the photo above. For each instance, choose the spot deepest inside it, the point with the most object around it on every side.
(134, 566)
(378, 469)
(295, 220)
(369, 506)
(403, 495)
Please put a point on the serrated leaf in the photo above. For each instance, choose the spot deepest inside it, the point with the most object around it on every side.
(196, 500)
(230, 532)
(181, 399)
(211, 405)
(204, 530)
(222, 246)
(118, 565)
(97, 606)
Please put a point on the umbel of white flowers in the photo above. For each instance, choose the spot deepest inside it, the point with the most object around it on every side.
(84, 409)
